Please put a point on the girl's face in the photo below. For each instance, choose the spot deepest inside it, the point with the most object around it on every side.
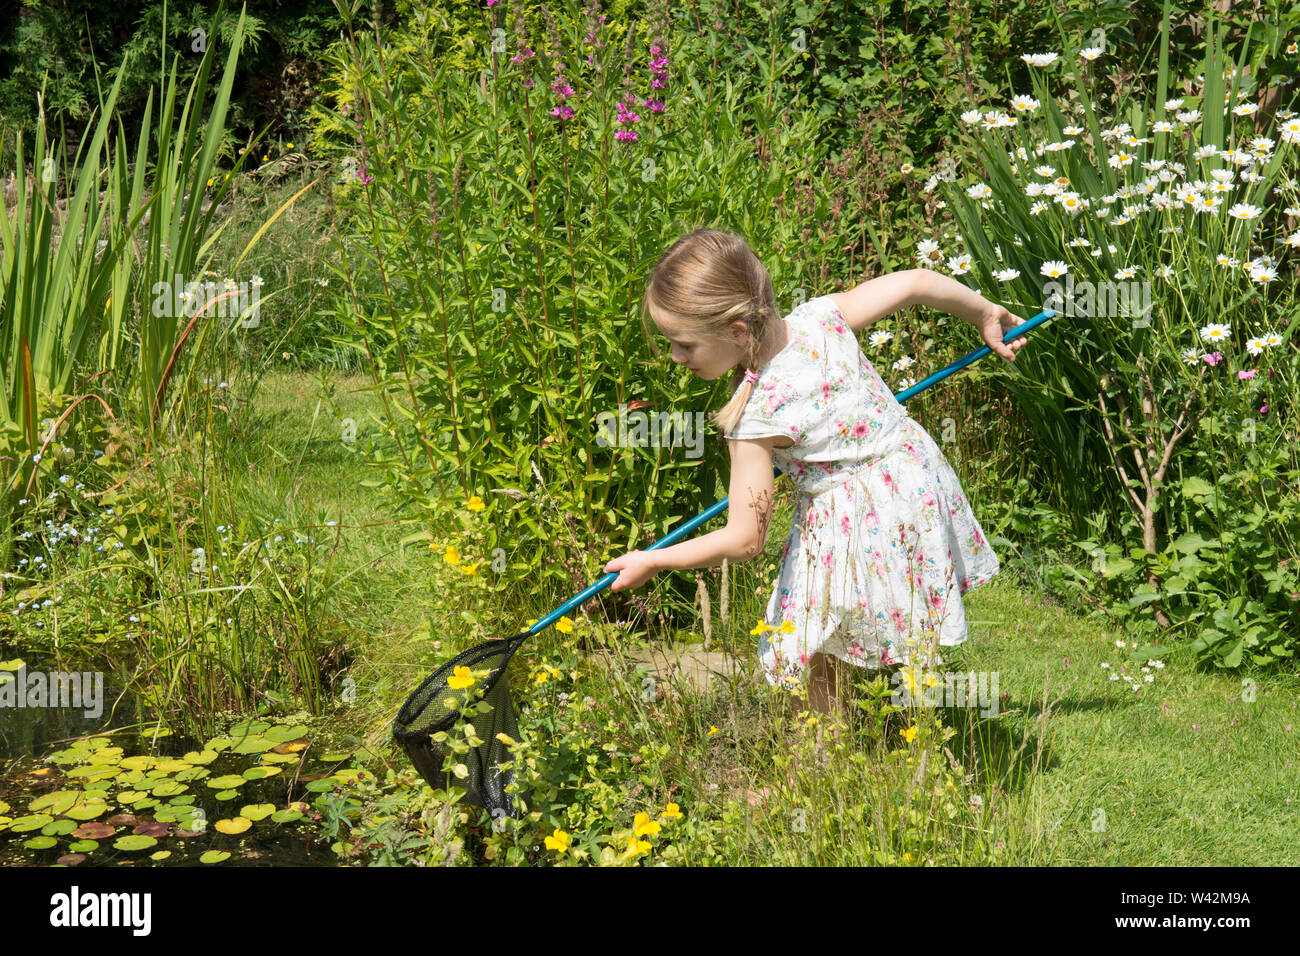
(707, 359)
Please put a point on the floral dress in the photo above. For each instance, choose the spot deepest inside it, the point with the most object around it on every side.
(883, 542)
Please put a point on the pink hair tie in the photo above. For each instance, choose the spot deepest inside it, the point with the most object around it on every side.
(751, 376)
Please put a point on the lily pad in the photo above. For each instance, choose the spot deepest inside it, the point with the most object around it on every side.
(198, 757)
(292, 746)
(214, 856)
(30, 822)
(94, 831)
(258, 773)
(12, 665)
(121, 820)
(286, 816)
(155, 830)
(174, 765)
(95, 771)
(227, 782)
(246, 727)
(236, 825)
(134, 842)
(252, 745)
(92, 808)
(140, 762)
(335, 756)
(168, 788)
(128, 797)
(257, 811)
(352, 775)
(281, 757)
(194, 773)
(59, 827)
(227, 794)
(71, 859)
(219, 744)
(40, 842)
(160, 855)
(283, 734)
(84, 846)
(56, 801)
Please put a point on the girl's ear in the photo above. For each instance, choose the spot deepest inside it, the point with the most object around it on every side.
(739, 332)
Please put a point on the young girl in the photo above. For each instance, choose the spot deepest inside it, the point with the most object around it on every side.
(883, 541)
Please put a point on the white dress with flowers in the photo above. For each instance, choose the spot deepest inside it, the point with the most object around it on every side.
(883, 542)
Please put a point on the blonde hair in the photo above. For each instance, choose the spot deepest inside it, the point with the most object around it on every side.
(707, 280)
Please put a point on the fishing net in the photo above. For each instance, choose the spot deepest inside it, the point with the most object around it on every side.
(434, 708)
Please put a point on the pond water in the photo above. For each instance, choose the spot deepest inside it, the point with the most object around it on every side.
(80, 784)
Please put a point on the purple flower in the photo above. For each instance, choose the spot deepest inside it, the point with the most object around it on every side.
(1212, 358)
(1243, 374)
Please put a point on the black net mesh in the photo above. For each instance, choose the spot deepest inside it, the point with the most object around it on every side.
(429, 710)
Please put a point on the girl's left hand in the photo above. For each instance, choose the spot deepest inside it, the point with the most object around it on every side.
(995, 323)
(637, 567)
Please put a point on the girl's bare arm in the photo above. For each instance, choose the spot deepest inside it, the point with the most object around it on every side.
(749, 513)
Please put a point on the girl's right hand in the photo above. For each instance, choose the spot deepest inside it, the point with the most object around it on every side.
(993, 325)
(637, 567)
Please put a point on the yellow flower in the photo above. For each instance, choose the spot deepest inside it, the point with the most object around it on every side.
(635, 847)
(671, 812)
(541, 677)
(787, 627)
(643, 825)
(505, 738)
(288, 145)
(210, 181)
(460, 678)
(451, 555)
(558, 841)
(469, 568)
(712, 730)
(909, 734)
(564, 625)
(475, 504)
(762, 626)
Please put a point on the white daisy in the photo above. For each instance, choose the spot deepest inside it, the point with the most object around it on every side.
(1053, 268)
(1215, 332)
(1039, 59)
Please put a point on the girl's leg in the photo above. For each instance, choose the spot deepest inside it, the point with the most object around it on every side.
(827, 685)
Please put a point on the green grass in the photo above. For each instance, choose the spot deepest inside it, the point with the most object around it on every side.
(1185, 772)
